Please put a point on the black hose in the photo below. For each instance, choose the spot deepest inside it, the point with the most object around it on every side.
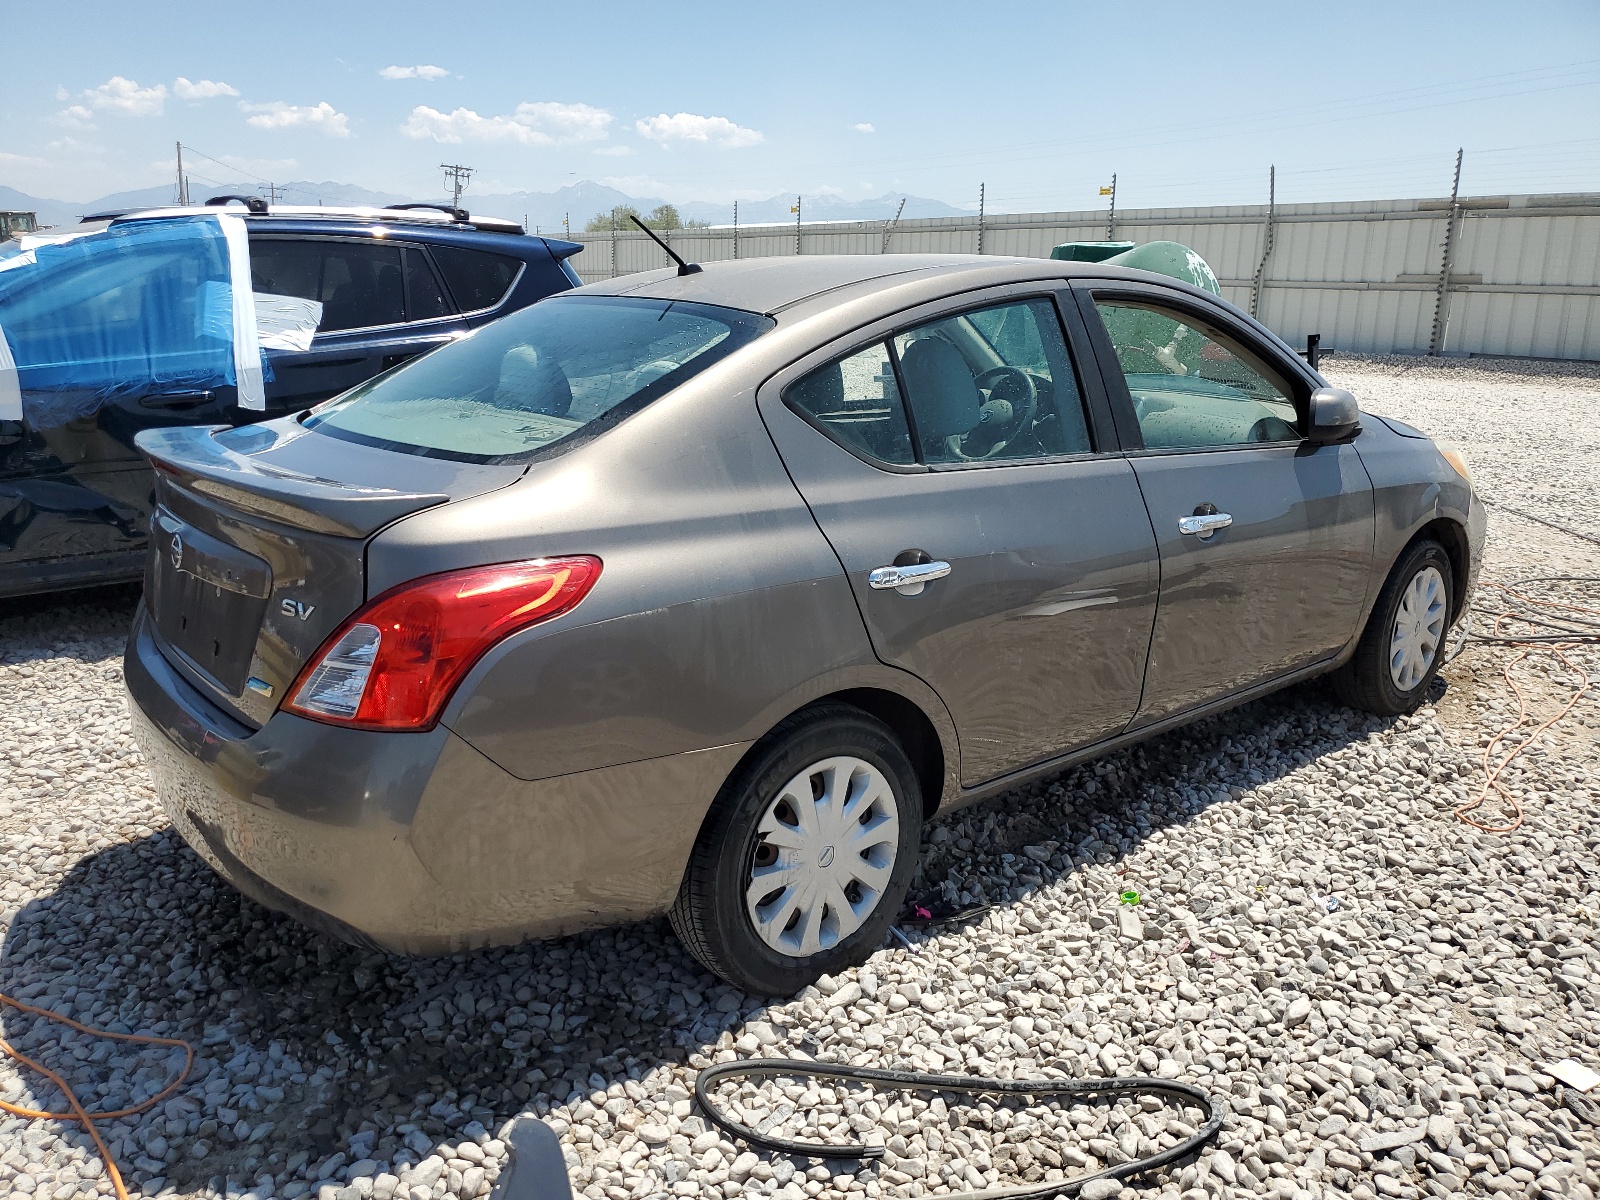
(1077, 1089)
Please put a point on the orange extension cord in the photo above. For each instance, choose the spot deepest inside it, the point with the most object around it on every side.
(78, 1112)
(1493, 770)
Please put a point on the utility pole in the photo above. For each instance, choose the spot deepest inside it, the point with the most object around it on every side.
(183, 192)
(1441, 304)
(457, 176)
(272, 193)
(980, 218)
(736, 229)
(1260, 279)
(797, 201)
(1111, 217)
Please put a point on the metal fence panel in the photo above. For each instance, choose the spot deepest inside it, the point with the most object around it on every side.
(1525, 279)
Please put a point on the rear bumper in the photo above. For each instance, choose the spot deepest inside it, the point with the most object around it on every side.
(413, 842)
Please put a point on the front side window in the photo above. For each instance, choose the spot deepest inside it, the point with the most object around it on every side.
(538, 376)
(1193, 386)
(995, 383)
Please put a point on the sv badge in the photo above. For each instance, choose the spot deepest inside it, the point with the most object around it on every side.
(296, 609)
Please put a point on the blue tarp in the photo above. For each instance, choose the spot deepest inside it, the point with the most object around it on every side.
(140, 307)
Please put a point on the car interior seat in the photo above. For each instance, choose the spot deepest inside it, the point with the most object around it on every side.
(943, 393)
(533, 382)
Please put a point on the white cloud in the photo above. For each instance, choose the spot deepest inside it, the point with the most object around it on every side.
(863, 127)
(614, 151)
(690, 127)
(278, 115)
(545, 123)
(75, 116)
(20, 160)
(421, 71)
(203, 89)
(117, 95)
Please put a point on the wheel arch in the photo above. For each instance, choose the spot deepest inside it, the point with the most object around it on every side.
(1452, 535)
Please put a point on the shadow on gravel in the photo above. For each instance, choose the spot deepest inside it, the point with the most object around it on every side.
(143, 936)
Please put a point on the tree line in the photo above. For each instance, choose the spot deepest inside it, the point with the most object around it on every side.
(662, 217)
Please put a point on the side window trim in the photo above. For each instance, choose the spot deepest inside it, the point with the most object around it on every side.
(1089, 291)
(1103, 431)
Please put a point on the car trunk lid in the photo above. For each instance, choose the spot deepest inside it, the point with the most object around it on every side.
(258, 546)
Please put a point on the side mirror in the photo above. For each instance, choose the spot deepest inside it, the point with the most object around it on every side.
(1334, 415)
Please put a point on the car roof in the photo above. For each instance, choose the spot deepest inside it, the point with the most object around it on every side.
(455, 225)
(771, 285)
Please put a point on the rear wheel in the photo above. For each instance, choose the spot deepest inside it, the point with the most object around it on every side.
(1402, 647)
(806, 855)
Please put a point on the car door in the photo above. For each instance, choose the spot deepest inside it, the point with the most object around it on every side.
(995, 540)
(1266, 539)
(107, 334)
(382, 303)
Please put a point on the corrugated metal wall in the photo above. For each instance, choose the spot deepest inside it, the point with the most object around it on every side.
(1525, 279)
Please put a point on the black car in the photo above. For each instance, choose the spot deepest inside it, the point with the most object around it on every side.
(75, 496)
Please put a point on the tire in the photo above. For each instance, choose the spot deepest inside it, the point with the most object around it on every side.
(1390, 673)
(777, 943)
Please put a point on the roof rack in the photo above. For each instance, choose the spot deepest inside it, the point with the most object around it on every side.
(429, 214)
(254, 203)
(460, 214)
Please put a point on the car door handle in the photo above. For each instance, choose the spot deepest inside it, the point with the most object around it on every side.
(908, 580)
(1203, 525)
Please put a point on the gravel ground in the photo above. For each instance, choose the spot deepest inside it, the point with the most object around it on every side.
(1374, 988)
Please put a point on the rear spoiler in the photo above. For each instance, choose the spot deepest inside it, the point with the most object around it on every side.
(560, 249)
(191, 458)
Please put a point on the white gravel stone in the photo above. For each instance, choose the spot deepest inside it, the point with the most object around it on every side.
(1394, 1046)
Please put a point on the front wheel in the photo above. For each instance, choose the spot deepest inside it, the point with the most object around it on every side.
(1402, 647)
(806, 855)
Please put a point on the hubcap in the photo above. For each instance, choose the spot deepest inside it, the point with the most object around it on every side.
(1418, 629)
(825, 851)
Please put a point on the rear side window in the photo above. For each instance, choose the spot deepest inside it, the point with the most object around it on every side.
(856, 400)
(476, 278)
(538, 376)
(359, 284)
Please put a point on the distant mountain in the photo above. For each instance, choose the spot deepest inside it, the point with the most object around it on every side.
(547, 212)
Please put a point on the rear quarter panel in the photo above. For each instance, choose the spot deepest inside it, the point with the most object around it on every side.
(719, 610)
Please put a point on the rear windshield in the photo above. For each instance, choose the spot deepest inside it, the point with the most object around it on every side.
(538, 376)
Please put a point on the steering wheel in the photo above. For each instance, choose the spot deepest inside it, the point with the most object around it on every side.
(1014, 380)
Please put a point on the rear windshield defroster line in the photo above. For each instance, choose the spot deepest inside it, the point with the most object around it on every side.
(556, 373)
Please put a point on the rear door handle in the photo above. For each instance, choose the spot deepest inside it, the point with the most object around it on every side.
(1203, 525)
(908, 580)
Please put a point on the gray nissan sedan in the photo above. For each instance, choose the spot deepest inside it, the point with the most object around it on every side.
(700, 591)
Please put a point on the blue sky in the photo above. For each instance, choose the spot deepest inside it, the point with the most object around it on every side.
(1187, 102)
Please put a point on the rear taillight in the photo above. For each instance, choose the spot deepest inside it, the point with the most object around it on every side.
(398, 659)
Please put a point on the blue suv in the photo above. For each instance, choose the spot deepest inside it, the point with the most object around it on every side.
(391, 283)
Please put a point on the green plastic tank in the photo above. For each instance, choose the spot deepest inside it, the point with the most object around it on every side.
(1151, 343)
(1089, 251)
(1164, 258)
